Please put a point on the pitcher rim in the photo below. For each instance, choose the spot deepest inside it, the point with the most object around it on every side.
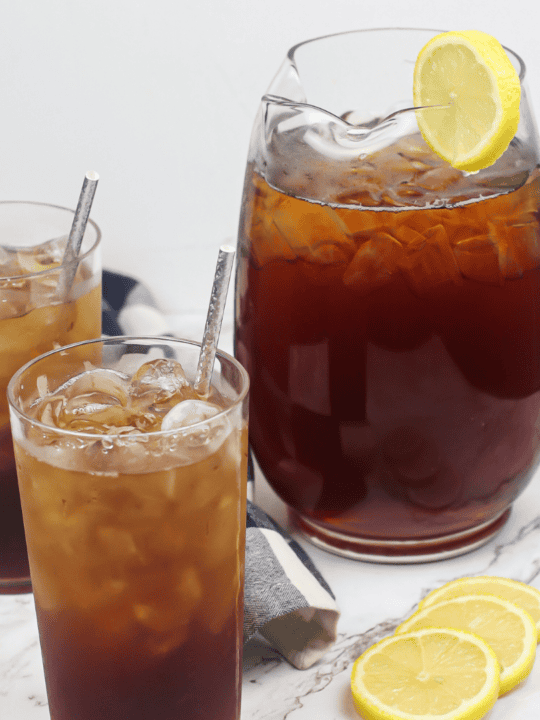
(294, 48)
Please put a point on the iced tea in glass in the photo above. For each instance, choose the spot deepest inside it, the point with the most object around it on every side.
(387, 309)
(35, 317)
(133, 495)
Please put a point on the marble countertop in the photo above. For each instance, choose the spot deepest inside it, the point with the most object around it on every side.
(373, 600)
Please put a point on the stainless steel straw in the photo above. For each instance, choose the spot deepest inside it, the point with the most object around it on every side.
(214, 319)
(76, 234)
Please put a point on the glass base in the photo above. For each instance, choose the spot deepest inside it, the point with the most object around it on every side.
(15, 586)
(14, 570)
(398, 551)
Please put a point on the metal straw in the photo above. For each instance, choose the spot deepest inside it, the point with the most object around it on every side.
(214, 319)
(76, 234)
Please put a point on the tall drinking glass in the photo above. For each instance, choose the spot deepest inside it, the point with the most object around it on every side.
(133, 492)
(36, 316)
(387, 309)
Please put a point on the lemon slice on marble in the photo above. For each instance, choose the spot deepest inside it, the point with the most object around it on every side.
(426, 674)
(476, 89)
(525, 596)
(508, 630)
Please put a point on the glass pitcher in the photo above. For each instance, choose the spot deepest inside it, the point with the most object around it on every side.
(387, 309)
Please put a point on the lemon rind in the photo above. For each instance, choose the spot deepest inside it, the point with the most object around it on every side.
(503, 581)
(488, 53)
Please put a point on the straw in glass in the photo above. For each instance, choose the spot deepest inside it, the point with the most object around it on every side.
(214, 320)
(76, 234)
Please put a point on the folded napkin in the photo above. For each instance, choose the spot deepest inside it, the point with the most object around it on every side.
(128, 308)
(287, 600)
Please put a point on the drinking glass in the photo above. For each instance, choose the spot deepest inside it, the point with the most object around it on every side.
(37, 313)
(135, 536)
(387, 308)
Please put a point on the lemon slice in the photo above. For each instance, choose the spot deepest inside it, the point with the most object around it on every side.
(527, 597)
(508, 630)
(427, 674)
(470, 73)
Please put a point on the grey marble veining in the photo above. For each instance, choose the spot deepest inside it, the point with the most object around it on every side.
(374, 600)
(22, 685)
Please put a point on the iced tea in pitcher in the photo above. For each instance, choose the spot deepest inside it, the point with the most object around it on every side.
(388, 314)
(34, 318)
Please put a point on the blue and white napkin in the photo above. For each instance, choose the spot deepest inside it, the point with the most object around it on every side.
(287, 600)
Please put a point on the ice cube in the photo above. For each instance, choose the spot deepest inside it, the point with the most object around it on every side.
(48, 412)
(12, 303)
(439, 178)
(52, 251)
(374, 263)
(219, 607)
(189, 589)
(196, 437)
(117, 544)
(159, 380)
(94, 412)
(93, 401)
(166, 643)
(503, 181)
(9, 265)
(224, 529)
(46, 589)
(518, 247)
(219, 612)
(256, 222)
(140, 505)
(168, 614)
(430, 262)
(5, 256)
(189, 412)
(403, 194)
(42, 257)
(42, 386)
(368, 196)
(305, 227)
(102, 380)
(478, 259)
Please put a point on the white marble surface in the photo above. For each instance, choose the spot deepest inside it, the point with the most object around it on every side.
(373, 600)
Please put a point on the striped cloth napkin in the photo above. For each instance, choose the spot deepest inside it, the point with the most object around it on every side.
(287, 600)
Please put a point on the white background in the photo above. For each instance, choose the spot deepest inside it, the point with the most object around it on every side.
(159, 97)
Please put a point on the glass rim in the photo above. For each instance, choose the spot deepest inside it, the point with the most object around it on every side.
(294, 48)
(112, 340)
(76, 261)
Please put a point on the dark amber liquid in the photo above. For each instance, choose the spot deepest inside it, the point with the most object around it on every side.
(13, 558)
(394, 357)
(199, 680)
